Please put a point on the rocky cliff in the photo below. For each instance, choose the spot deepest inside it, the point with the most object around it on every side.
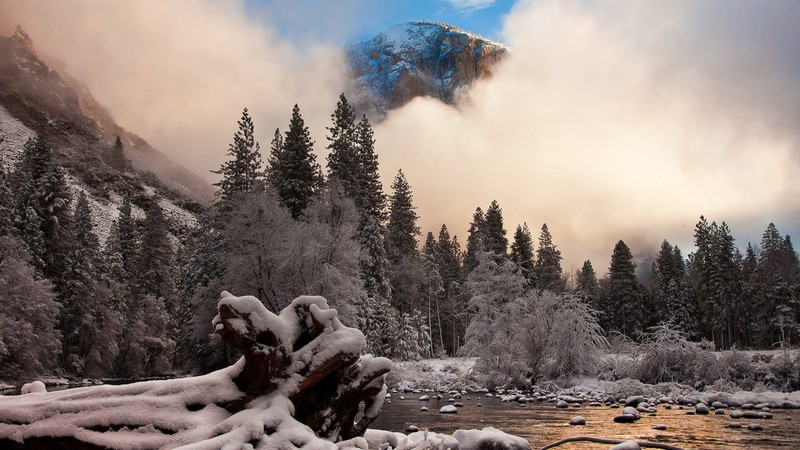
(419, 58)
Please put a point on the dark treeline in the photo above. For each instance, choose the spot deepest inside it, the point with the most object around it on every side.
(141, 303)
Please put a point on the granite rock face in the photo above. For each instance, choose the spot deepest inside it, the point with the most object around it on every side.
(416, 59)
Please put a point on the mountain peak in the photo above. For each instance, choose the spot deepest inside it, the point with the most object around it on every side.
(22, 39)
(419, 58)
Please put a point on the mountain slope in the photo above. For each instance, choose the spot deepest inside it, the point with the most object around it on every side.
(34, 98)
(419, 58)
(81, 129)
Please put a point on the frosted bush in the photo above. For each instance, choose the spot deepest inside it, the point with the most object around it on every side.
(666, 354)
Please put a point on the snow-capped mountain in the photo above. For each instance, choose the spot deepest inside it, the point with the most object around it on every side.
(419, 58)
(35, 98)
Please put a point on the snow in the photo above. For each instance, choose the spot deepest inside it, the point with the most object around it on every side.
(627, 445)
(489, 438)
(35, 387)
(13, 135)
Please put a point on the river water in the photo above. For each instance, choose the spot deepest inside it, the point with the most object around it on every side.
(542, 423)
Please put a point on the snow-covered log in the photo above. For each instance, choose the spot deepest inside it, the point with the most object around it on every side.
(300, 383)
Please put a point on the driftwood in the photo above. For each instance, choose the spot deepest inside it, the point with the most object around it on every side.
(301, 381)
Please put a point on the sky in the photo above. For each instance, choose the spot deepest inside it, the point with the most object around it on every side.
(610, 119)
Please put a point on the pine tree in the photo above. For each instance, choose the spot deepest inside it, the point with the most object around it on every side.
(39, 184)
(586, 285)
(29, 337)
(343, 163)
(243, 171)
(547, 269)
(402, 230)
(117, 157)
(293, 170)
(372, 201)
(496, 241)
(522, 252)
(154, 260)
(671, 291)
(275, 156)
(122, 245)
(775, 288)
(373, 262)
(621, 297)
(476, 241)
(88, 326)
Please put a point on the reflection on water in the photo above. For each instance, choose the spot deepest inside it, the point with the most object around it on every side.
(542, 423)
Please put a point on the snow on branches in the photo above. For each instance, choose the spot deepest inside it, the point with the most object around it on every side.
(300, 383)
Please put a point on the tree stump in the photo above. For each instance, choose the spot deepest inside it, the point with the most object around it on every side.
(300, 381)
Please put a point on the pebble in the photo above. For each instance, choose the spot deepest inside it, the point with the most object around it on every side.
(577, 420)
(424, 398)
(424, 408)
(734, 425)
(634, 400)
(448, 409)
(412, 429)
(624, 418)
(660, 427)
(701, 408)
(562, 404)
(755, 427)
(632, 411)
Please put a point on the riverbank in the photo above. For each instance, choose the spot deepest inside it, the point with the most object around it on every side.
(459, 374)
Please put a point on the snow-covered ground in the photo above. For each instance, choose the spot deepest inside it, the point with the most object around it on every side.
(447, 374)
(13, 135)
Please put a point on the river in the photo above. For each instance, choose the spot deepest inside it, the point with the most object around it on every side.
(542, 423)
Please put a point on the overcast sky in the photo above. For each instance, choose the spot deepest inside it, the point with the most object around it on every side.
(610, 120)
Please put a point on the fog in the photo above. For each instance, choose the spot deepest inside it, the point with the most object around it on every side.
(608, 121)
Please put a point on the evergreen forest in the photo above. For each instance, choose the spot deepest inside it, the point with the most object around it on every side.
(140, 304)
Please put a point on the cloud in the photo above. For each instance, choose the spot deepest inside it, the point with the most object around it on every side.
(469, 6)
(180, 72)
(614, 121)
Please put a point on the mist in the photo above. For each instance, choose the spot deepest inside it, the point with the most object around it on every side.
(608, 121)
(616, 121)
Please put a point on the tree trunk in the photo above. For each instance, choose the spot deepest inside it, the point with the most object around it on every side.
(304, 356)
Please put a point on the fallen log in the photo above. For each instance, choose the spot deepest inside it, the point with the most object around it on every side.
(299, 382)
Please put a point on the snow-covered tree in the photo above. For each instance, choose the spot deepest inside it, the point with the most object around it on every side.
(563, 337)
(243, 171)
(155, 257)
(491, 286)
(373, 260)
(122, 246)
(29, 338)
(88, 323)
